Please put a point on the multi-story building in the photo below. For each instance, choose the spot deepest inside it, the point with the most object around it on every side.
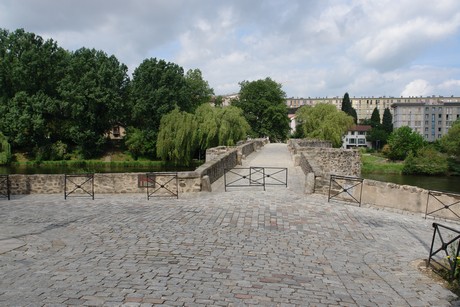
(364, 106)
(432, 119)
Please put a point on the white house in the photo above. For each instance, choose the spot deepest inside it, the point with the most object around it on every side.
(356, 137)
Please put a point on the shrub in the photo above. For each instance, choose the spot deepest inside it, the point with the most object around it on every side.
(428, 161)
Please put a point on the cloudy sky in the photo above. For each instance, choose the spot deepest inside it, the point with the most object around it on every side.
(315, 48)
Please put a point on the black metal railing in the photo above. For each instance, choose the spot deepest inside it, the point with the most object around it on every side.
(79, 185)
(162, 184)
(441, 203)
(444, 250)
(5, 186)
(255, 176)
(345, 184)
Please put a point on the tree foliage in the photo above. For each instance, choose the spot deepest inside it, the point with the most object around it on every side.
(387, 121)
(176, 138)
(93, 95)
(5, 150)
(198, 90)
(403, 141)
(183, 133)
(347, 107)
(262, 102)
(427, 161)
(450, 142)
(375, 118)
(324, 122)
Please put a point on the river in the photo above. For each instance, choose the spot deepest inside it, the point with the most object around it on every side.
(441, 183)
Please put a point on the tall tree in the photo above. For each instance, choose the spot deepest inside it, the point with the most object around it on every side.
(93, 93)
(375, 118)
(387, 121)
(30, 70)
(324, 122)
(347, 107)
(198, 89)
(262, 102)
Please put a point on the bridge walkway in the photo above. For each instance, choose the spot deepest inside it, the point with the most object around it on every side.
(271, 155)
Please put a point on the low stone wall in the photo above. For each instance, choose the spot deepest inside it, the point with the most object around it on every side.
(388, 195)
(108, 183)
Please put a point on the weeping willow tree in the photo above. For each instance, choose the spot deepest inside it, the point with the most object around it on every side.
(177, 137)
(208, 126)
(324, 122)
(181, 134)
(5, 150)
(233, 125)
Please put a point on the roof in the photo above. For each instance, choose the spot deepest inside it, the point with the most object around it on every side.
(360, 128)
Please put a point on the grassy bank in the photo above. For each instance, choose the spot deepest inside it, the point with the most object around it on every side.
(379, 165)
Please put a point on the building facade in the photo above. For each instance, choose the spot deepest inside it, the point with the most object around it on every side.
(430, 119)
(364, 106)
(356, 137)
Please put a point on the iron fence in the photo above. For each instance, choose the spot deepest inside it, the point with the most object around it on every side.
(80, 185)
(444, 250)
(5, 186)
(439, 200)
(345, 184)
(255, 176)
(162, 184)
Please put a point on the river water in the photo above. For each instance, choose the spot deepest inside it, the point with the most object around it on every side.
(441, 183)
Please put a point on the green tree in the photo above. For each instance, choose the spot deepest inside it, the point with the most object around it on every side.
(157, 88)
(403, 141)
(262, 102)
(347, 107)
(30, 71)
(93, 93)
(177, 138)
(375, 118)
(5, 150)
(450, 142)
(324, 122)
(427, 161)
(233, 127)
(387, 121)
(198, 89)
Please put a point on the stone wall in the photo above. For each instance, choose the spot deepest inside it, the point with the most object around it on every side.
(107, 183)
(388, 195)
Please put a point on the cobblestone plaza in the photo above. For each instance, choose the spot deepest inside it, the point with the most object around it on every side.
(243, 247)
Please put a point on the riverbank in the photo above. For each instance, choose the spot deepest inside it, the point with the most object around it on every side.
(379, 165)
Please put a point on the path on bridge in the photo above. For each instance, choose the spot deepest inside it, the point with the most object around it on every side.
(272, 155)
(277, 247)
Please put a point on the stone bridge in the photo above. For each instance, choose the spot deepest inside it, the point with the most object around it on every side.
(243, 247)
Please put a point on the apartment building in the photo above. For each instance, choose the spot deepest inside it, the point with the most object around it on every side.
(431, 119)
(364, 106)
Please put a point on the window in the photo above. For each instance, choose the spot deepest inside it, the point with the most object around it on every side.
(361, 141)
(439, 123)
(439, 115)
(426, 129)
(361, 132)
(426, 136)
(439, 136)
(352, 141)
(439, 129)
(426, 123)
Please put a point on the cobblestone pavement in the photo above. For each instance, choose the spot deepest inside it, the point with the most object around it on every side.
(238, 248)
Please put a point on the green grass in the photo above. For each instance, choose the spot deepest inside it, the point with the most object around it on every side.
(378, 165)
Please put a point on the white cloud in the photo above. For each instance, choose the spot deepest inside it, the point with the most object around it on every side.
(315, 48)
(417, 87)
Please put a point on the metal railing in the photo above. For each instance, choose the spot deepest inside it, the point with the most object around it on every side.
(255, 176)
(5, 186)
(441, 202)
(446, 243)
(345, 184)
(162, 184)
(80, 185)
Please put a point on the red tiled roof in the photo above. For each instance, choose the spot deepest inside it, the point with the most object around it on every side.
(360, 128)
